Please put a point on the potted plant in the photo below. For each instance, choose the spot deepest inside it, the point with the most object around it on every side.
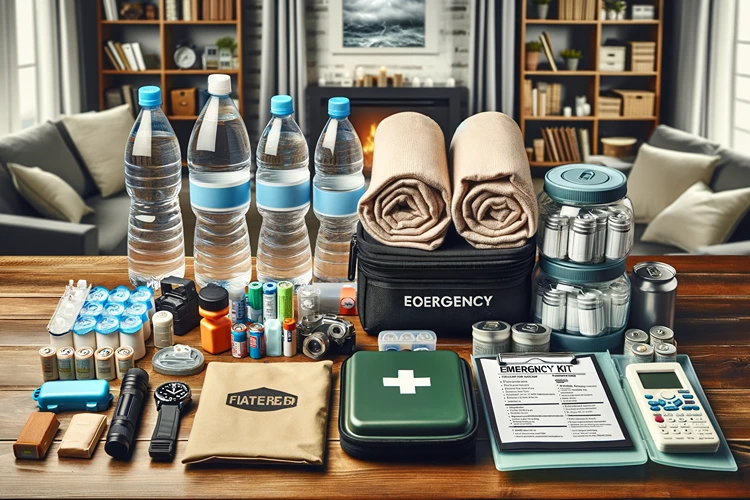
(532, 55)
(542, 8)
(615, 9)
(572, 57)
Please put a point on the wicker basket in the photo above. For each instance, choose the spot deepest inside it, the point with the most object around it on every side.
(636, 103)
(642, 56)
(609, 107)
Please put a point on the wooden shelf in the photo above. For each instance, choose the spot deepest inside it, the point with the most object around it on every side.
(200, 71)
(547, 164)
(118, 72)
(628, 73)
(189, 23)
(628, 118)
(544, 72)
(557, 21)
(631, 21)
(145, 22)
(556, 118)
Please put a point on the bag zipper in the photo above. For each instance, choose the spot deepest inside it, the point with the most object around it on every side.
(351, 274)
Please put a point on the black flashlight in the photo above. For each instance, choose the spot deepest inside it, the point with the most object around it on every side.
(124, 424)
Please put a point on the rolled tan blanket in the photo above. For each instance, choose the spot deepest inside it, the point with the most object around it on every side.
(494, 203)
(408, 201)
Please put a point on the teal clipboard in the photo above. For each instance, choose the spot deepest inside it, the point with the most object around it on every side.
(613, 369)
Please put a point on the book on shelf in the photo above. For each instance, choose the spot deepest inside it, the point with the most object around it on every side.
(550, 93)
(565, 144)
(549, 51)
(125, 94)
(130, 56)
(138, 56)
(127, 56)
(542, 105)
(172, 10)
(577, 10)
(527, 97)
(187, 10)
(110, 10)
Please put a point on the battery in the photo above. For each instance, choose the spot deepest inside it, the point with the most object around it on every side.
(285, 301)
(48, 357)
(255, 345)
(661, 334)
(641, 353)
(237, 304)
(665, 353)
(163, 325)
(632, 337)
(105, 364)
(66, 363)
(239, 340)
(290, 337)
(85, 368)
(269, 301)
(124, 360)
(255, 302)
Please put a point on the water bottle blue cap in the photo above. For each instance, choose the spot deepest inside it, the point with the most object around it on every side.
(150, 95)
(338, 107)
(92, 309)
(107, 325)
(282, 105)
(138, 309)
(119, 294)
(269, 288)
(141, 294)
(84, 325)
(115, 309)
(130, 325)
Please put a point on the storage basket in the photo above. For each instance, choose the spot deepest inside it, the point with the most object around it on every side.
(609, 107)
(642, 56)
(636, 103)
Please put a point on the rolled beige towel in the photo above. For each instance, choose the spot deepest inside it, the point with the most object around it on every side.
(494, 203)
(408, 201)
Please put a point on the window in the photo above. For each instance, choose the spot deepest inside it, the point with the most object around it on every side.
(741, 100)
(26, 65)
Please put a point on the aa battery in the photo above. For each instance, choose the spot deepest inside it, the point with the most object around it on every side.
(163, 323)
(237, 304)
(124, 360)
(66, 363)
(634, 337)
(105, 364)
(290, 337)
(239, 340)
(255, 302)
(85, 368)
(48, 358)
(661, 334)
(665, 353)
(269, 301)
(641, 353)
(285, 301)
(255, 344)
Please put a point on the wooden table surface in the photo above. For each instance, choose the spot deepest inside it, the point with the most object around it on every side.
(712, 326)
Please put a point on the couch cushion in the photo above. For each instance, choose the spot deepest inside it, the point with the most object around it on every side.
(12, 203)
(733, 172)
(666, 137)
(42, 146)
(645, 248)
(111, 219)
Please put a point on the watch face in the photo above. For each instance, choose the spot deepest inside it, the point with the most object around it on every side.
(185, 57)
(172, 392)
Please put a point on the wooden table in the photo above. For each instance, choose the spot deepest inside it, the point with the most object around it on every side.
(712, 326)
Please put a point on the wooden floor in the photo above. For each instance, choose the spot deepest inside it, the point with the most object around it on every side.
(712, 326)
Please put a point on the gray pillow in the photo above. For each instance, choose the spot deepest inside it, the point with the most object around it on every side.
(42, 146)
(666, 137)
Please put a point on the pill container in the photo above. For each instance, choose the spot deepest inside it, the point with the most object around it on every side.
(131, 335)
(585, 306)
(585, 215)
(530, 337)
(107, 332)
(145, 295)
(84, 334)
(490, 337)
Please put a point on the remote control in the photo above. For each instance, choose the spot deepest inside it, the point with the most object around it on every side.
(673, 415)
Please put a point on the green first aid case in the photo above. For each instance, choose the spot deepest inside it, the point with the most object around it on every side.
(407, 405)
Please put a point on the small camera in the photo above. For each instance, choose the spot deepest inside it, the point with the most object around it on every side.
(324, 334)
(180, 297)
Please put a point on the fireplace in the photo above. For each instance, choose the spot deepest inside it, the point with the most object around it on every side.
(446, 105)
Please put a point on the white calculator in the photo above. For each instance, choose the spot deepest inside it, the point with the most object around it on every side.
(673, 415)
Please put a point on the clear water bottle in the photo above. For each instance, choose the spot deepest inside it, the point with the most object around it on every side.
(219, 158)
(153, 178)
(337, 187)
(282, 188)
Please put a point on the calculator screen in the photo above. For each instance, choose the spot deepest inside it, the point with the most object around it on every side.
(659, 380)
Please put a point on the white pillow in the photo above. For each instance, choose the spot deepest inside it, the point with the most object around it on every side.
(699, 218)
(48, 194)
(660, 176)
(101, 138)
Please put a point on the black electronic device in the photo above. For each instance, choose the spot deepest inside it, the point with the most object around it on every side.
(323, 334)
(127, 416)
(171, 398)
(180, 297)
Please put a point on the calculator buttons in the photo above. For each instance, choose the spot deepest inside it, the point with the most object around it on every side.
(648, 396)
(662, 426)
(670, 408)
(681, 419)
(661, 402)
(659, 419)
(664, 431)
(687, 431)
(689, 401)
(670, 419)
(677, 402)
(679, 414)
(667, 395)
(675, 431)
(688, 396)
(683, 391)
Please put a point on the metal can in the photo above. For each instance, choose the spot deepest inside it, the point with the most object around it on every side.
(530, 337)
(239, 340)
(105, 364)
(653, 295)
(124, 360)
(66, 363)
(581, 239)
(490, 337)
(85, 367)
(659, 334)
(48, 357)
(255, 345)
(665, 353)
(634, 337)
(641, 353)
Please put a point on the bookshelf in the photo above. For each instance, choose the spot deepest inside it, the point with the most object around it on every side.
(589, 80)
(163, 36)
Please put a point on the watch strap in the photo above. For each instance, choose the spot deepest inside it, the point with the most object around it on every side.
(164, 438)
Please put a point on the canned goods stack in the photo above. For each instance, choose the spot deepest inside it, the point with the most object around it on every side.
(581, 290)
(657, 345)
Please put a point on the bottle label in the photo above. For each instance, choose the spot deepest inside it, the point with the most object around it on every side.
(282, 197)
(337, 203)
(142, 143)
(219, 198)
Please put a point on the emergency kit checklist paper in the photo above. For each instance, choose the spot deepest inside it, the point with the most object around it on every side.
(540, 403)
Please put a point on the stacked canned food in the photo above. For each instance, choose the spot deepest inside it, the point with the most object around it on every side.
(657, 345)
(586, 225)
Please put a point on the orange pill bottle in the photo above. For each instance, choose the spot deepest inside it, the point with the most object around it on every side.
(216, 327)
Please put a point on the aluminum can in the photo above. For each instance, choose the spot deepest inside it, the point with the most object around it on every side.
(653, 295)
(255, 344)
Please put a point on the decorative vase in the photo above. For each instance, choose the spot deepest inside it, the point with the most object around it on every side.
(612, 15)
(621, 15)
(542, 10)
(572, 63)
(532, 61)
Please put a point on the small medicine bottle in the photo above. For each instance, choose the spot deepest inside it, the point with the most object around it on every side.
(216, 327)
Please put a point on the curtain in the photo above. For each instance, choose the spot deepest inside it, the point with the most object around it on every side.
(283, 59)
(492, 57)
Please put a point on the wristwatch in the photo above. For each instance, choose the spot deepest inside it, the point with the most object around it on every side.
(171, 398)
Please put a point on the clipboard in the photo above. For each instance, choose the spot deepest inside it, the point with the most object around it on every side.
(533, 361)
(613, 369)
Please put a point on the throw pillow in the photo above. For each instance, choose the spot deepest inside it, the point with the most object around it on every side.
(100, 139)
(699, 218)
(48, 194)
(660, 176)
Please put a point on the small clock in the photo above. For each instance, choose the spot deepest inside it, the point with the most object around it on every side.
(185, 56)
(173, 393)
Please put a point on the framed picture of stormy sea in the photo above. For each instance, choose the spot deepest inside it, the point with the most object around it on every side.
(384, 26)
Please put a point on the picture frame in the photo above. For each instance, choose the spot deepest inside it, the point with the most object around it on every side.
(391, 31)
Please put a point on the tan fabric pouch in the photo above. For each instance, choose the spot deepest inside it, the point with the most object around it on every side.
(262, 413)
(82, 435)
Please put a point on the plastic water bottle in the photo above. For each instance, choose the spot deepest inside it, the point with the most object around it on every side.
(153, 178)
(337, 187)
(219, 160)
(283, 196)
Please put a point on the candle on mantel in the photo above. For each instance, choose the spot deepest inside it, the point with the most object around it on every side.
(383, 77)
